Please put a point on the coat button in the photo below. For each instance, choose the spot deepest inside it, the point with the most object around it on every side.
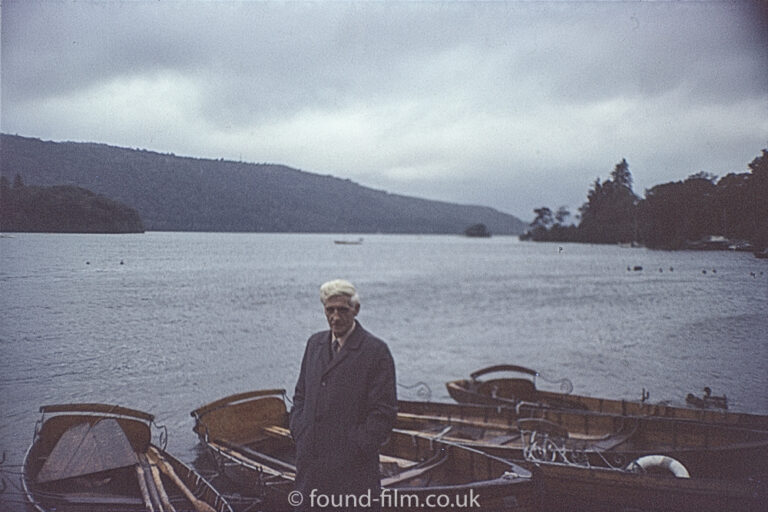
(323, 383)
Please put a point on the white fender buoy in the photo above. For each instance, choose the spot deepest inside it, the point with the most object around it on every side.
(660, 461)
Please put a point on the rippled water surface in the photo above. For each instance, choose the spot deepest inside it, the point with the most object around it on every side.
(166, 322)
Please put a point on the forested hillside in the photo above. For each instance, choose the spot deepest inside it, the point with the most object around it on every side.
(190, 194)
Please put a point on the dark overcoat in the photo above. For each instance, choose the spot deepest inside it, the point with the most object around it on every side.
(343, 410)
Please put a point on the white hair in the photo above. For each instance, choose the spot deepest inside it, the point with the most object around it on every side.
(339, 287)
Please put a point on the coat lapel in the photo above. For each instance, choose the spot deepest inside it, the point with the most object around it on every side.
(325, 353)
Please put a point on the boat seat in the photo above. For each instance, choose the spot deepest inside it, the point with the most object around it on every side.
(386, 459)
(414, 472)
(502, 440)
(250, 456)
(400, 462)
(514, 389)
(98, 500)
(542, 426)
(277, 430)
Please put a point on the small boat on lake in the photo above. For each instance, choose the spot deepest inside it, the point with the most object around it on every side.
(99, 457)
(596, 462)
(521, 389)
(359, 241)
(248, 438)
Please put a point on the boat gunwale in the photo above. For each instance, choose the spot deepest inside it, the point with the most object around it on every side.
(461, 394)
(100, 409)
(234, 399)
(513, 413)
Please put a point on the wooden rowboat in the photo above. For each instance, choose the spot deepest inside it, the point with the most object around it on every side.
(521, 389)
(571, 487)
(247, 436)
(595, 468)
(706, 450)
(99, 457)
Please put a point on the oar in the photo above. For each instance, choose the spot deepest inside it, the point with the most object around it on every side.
(161, 488)
(156, 458)
(154, 492)
(143, 486)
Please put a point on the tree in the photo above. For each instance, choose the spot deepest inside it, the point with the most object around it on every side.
(732, 205)
(621, 175)
(609, 215)
(18, 182)
(701, 175)
(758, 199)
(674, 214)
(547, 227)
(543, 218)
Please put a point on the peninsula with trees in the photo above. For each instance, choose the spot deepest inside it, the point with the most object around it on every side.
(62, 209)
(700, 212)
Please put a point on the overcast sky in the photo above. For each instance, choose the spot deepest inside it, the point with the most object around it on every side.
(513, 105)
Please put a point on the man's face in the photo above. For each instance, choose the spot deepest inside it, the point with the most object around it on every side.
(340, 314)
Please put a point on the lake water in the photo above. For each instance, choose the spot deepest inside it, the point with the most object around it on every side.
(166, 322)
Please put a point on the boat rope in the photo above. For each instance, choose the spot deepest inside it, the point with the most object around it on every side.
(162, 436)
(423, 391)
(566, 386)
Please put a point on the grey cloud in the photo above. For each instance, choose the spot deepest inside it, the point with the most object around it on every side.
(396, 94)
(287, 55)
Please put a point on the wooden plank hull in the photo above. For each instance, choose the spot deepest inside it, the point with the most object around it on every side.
(572, 489)
(125, 483)
(707, 450)
(513, 391)
(248, 438)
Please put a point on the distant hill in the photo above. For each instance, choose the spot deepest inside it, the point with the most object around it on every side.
(174, 193)
(62, 209)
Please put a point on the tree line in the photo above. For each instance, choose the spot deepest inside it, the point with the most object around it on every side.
(672, 215)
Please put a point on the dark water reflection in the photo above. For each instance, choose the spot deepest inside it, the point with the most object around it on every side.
(190, 317)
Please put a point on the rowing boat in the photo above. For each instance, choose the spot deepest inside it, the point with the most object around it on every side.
(247, 436)
(521, 389)
(563, 486)
(706, 449)
(589, 461)
(100, 458)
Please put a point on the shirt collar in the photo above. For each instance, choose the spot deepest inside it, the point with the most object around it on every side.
(344, 337)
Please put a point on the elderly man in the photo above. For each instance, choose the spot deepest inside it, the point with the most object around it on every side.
(344, 407)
